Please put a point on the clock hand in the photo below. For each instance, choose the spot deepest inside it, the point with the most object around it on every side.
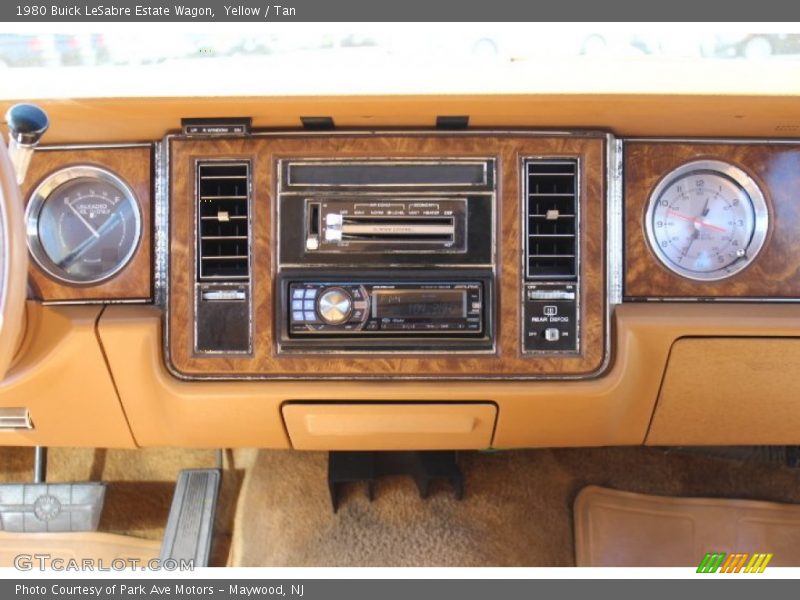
(695, 235)
(82, 219)
(697, 221)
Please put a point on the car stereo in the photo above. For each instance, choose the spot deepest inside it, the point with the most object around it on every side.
(386, 255)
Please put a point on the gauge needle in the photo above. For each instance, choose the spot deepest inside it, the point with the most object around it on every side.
(82, 219)
(85, 245)
(696, 220)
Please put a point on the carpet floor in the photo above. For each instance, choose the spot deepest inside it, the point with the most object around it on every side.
(517, 510)
(275, 510)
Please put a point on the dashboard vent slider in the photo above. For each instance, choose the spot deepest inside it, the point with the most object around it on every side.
(223, 221)
(551, 219)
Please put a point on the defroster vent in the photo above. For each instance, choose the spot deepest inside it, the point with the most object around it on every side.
(551, 219)
(223, 214)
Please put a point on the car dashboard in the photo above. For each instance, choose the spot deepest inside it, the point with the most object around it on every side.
(230, 284)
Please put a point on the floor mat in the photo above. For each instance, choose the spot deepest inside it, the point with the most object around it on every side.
(517, 510)
(623, 529)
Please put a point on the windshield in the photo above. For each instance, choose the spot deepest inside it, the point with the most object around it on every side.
(107, 60)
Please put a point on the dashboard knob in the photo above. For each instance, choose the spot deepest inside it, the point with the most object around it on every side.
(26, 125)
(334, 306)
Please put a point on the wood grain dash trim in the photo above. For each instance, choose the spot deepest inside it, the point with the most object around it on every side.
(507, 361)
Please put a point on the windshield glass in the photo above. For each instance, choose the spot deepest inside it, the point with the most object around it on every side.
(106, 60)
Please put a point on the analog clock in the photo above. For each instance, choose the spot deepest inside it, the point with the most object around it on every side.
(707, 220)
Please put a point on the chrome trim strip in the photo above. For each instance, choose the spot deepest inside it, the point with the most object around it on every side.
(286, 266)
(161, 225)
(614, 220)
(94, 302)
(15, 419)
(666, 140)
(713, 299)
(580, 133)
(92, 146)
(165, 166)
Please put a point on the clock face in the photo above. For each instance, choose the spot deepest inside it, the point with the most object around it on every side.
(706, 220)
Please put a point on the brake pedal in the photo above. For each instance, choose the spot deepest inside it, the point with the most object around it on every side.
(190, 525)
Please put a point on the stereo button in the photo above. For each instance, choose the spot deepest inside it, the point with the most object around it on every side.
(335, 306)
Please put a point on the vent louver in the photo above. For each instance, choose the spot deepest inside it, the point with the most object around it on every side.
(551, 209)
(223, 227)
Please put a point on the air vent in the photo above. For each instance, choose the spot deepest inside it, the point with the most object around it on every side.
(223, 228)
(551, 209)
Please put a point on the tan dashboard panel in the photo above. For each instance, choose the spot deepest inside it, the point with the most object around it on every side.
(389, 426)
(654, 112)
(132, 165)
(62, 378)
(720, 391)
(613, 410)
(508, 359)
(775, 272)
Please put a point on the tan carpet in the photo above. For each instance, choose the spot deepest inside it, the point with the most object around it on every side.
(517, 510)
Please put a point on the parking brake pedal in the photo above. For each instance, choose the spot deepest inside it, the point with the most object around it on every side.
(190, 525)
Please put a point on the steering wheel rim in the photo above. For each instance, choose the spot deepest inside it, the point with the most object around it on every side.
(13, 263)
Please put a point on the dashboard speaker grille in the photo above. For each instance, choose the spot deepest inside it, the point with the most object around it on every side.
(551, 218)
(223, 204)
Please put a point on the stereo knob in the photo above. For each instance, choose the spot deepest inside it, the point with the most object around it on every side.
(334, 306)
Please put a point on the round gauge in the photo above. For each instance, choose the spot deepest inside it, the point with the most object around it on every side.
(83, 224)
(706, 220)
